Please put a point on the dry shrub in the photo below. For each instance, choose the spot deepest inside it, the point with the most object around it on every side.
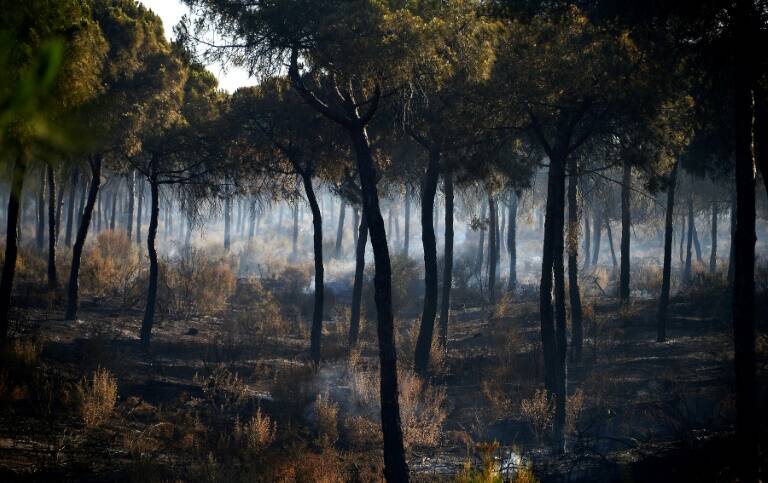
(361, 432)
(97, 397)
(195, 284)
(326, 414)
(498, 401)
(406, 274)
(110, 266)
(257, 433)
(538, 413)
(647, 278)
(224, 390)
(292, 385)
(573, 410)
(503, 307)
(422, 410)
(260, 309)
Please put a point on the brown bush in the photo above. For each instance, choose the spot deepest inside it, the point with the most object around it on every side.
(538, 412)
(326, 416)
(97, 397)
(257, 433)
(110, 266)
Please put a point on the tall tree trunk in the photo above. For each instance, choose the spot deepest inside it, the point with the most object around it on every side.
(40, 238)
(587, 240)
(696, 243)
(747, 416)
(154, 268)
(113, 214)
(357, 289)
(626, 223)
(407, 221)
(355, 223)
(252, 220)
(492, 248)
(610, 242)
(597, 226)
(688, 262)
(713, 249)
(577, 332)
(59, 208)
(554, 343)
(317, 226)
(131, 202)
(732, 251)
(395, 465)
(481, 243)
(445, 308)
(760, 98)
(228, 223)
(661, 319)
(81, 206)
(71, 206)
(53, 277)
(512, 242)
(11, 244)
(426, 329)
(340, 229)
(139, 210)
(82, 233)
(295, 235)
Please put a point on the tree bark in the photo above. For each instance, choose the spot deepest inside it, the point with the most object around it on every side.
(747, 416)
(661, 319)
(228, 223)
(71, 207)
(154, 267)
(577, 332)
(713, 246)
(295, 235)
(597, 226)
(113, 214)
(445, 308)
(340, 229)
(587, 241)
(11, 244)
(139, 211)
(626, 223)
(610, 242)
(732, 251)
(53, 277)
(317, 314)
(688, 262)
(492, 248)
(696, 243)
(131, 202)
(395, 465)
(357, 289)
(82, 233)
(41, 213)
(481, 243)
(426, 329)
(512, 242)
(252, 220)
(407, 227)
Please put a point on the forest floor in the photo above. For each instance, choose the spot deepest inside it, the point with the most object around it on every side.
(638, 405)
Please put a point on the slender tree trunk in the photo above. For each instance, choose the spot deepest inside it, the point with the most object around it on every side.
(154, 267)
(407, 227)
(340, 229)
(512, 242)
(295, 235)
(732, 251)
(395, 465)
(696, 243)
(760, 98)
(53, 277)
(481, 243)
(357, 289)
(577, 332)
(59, 208)
(82, 233)
(131, 202)
(356, 223)
(81, 206)
(139, 211)
(492, 247)
(661, 320)
(252, 220)
(113, 214)
(426, 329)
(41, 213)
(713, 249)
(228, 223)
(587, 240)
(11, 245)
(626, 223)
(687, 269)
(317, 314)
(682, 240)
(445, 309)
(71, 207)
(597, 226)
(747, 415)
(610, 242)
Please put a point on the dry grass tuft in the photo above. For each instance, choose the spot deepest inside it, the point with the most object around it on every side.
(97, 397)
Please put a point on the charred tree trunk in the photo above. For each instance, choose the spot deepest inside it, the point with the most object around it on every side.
(427, 327)
(356, 223)
(445, 308)
(587, 241)
(252, 220)
(357, 289)
(713, 247)
(11, 244)
(492, 248)
(154, 267)
(577, 331)
(53, 277)
(597, 226)
(40, 233)
(317, 226)
(626, 223)
(131, 201)
(732, 254)
(747, 416)
(661, 320)
(696, 243)
(82, 233)
(512, 242)
(71, 207)
(688, 255)
(340, 229)
(481, 244)
(407, 221)
(610, 242)
(139, 211)
(113, 214)
(395, 465)
(228, 223)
